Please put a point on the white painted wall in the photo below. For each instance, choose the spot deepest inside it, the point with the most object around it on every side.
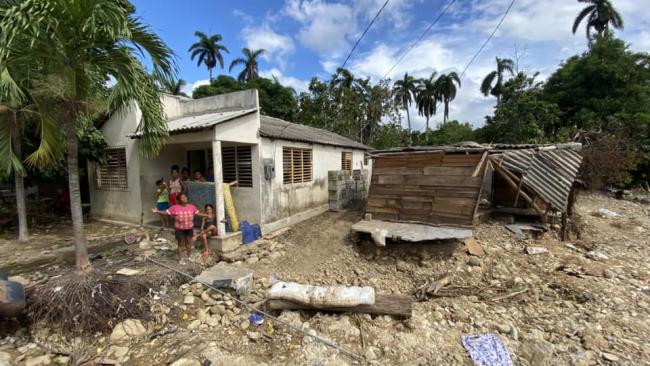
(119, 205)
(279, 200)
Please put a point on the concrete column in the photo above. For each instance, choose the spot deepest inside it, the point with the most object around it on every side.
(218, 187)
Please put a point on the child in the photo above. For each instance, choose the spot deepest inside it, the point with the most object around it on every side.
(176, 185)
(198, 177)
(183, 213)
(208, 227)
(162, 201)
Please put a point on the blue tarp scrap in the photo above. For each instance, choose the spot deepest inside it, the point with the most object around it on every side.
(250, 233)
(487, 350)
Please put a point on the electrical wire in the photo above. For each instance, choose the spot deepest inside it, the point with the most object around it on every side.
(249, 307)
(420, 38)
(364, 33)
(488, 39)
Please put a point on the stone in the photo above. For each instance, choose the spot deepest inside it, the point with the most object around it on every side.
(537, 352)
(244, 324)
(371, 353)
(188, 300)
(254, 335)
(239, 279)
(610, 357)
(593, 340)
(252, 259)
(186, 362)
(402, 266)
(128, 328)
(59, 360)
(536, 250)
(218, 309)
(42, 360)
(608, 274)
(474, 261)
(213, 320)
(20, 279)
(128, 272)
(194, 324)
(202, 314)
(119, 352)
(597, 256)
(5, 359)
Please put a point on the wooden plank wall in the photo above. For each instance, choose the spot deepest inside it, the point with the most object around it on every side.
(434, 187)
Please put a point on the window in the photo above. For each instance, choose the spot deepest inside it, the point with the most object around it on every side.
(237, 165)
(346, 161)
(296, 165)
(112, 175)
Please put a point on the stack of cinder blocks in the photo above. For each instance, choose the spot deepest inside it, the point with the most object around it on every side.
(346, 190)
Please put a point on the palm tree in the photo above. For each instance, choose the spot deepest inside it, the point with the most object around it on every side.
(446, 87)
(503, 64)
(208, 49)
(427, 97)
(249, 61)
(80, 45)
(404, 92)
(343, 78)
(601, 13)
(173, 87)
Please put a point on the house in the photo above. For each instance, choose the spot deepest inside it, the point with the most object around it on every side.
(281, 168)
(444, 185)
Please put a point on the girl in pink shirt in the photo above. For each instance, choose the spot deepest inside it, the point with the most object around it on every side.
(183, 214)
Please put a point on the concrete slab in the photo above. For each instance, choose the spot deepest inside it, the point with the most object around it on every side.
(239, 279)
(380, 230)
(225, 243)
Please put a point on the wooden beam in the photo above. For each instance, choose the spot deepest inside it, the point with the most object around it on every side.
(479, 165)
(507, 177)
(396, 305)
(480, 191)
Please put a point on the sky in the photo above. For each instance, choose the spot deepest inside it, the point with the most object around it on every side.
(311, 38)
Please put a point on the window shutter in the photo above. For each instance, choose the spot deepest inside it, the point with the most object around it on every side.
(346, 161)
(112, 176)
(296, 165)
(237, 165)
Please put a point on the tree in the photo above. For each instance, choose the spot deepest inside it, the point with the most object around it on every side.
(80, 45)
(446, 87)
(503, 65)
(208, 49)
(249, 61)
(427, 97)
(173, 87)
(276, 100)
(404, 92)
(600, 14)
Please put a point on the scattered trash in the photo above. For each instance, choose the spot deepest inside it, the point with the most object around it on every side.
(608, 213)
(473, 247)
(128, 272)
(131, 238)
(12, 298)
(256, 319)
(487, 350)
(522, 231)
(536, 250)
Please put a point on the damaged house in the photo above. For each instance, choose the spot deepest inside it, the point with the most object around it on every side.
(280, 168)
(449, 188)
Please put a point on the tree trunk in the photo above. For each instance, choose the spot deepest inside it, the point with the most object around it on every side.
(426, 132)
(210, 71)
(21, 210)
(408, 120)
(81, 246)
(444, 120)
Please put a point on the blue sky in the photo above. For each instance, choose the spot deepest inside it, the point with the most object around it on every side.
(306, 38)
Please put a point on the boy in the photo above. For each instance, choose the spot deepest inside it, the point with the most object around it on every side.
(183, 213)
(162, 201)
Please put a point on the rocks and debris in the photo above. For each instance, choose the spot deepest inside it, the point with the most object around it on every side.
(400, 231)
(523, 231)
(320, 296)
(130, 328)
(128, 272)
(604, 212)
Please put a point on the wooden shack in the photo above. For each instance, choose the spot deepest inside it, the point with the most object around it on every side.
(438, 186)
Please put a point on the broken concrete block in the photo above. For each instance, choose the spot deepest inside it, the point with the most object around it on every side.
(127, 272)
(239, 279)
(536, 250)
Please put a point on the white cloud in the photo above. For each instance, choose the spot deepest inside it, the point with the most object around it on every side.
(189, 88)
(325, 27)
(277, 46)
(297, 84)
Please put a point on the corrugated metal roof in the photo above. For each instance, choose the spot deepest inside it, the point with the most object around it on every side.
(549, 173)
(201, 121)
(474, 146)
(277, 128)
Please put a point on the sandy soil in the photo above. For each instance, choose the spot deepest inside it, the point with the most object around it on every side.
(585, 302)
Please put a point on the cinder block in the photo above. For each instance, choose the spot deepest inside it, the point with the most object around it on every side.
(225, 243)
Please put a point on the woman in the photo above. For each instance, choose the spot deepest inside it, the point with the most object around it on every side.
(208, 227)
(176, 186)
(183, 214)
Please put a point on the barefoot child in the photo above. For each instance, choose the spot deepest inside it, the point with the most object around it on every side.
(176, 185)
(183, 213)
(208, 227)
(162, 201)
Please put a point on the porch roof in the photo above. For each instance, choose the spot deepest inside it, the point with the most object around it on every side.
(200, 121)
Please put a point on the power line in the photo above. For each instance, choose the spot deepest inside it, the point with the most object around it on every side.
(488, 39)
(364, 33)
(420, 38)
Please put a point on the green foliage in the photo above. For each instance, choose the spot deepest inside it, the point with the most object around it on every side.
(276, 100)
(600, 14)
(208, 50)
(447, 85)
(249, 61)
(496, 90)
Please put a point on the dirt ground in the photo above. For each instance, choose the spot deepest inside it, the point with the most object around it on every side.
(584, 302)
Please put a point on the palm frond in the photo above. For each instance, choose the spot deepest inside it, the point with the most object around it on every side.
(586, 11)
(486, 85)
(235, 62)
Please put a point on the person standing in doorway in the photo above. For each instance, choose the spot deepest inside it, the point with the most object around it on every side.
(176, 185)
(162, 201)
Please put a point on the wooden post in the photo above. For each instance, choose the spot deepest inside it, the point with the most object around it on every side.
(220, 214)
(510, 179)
